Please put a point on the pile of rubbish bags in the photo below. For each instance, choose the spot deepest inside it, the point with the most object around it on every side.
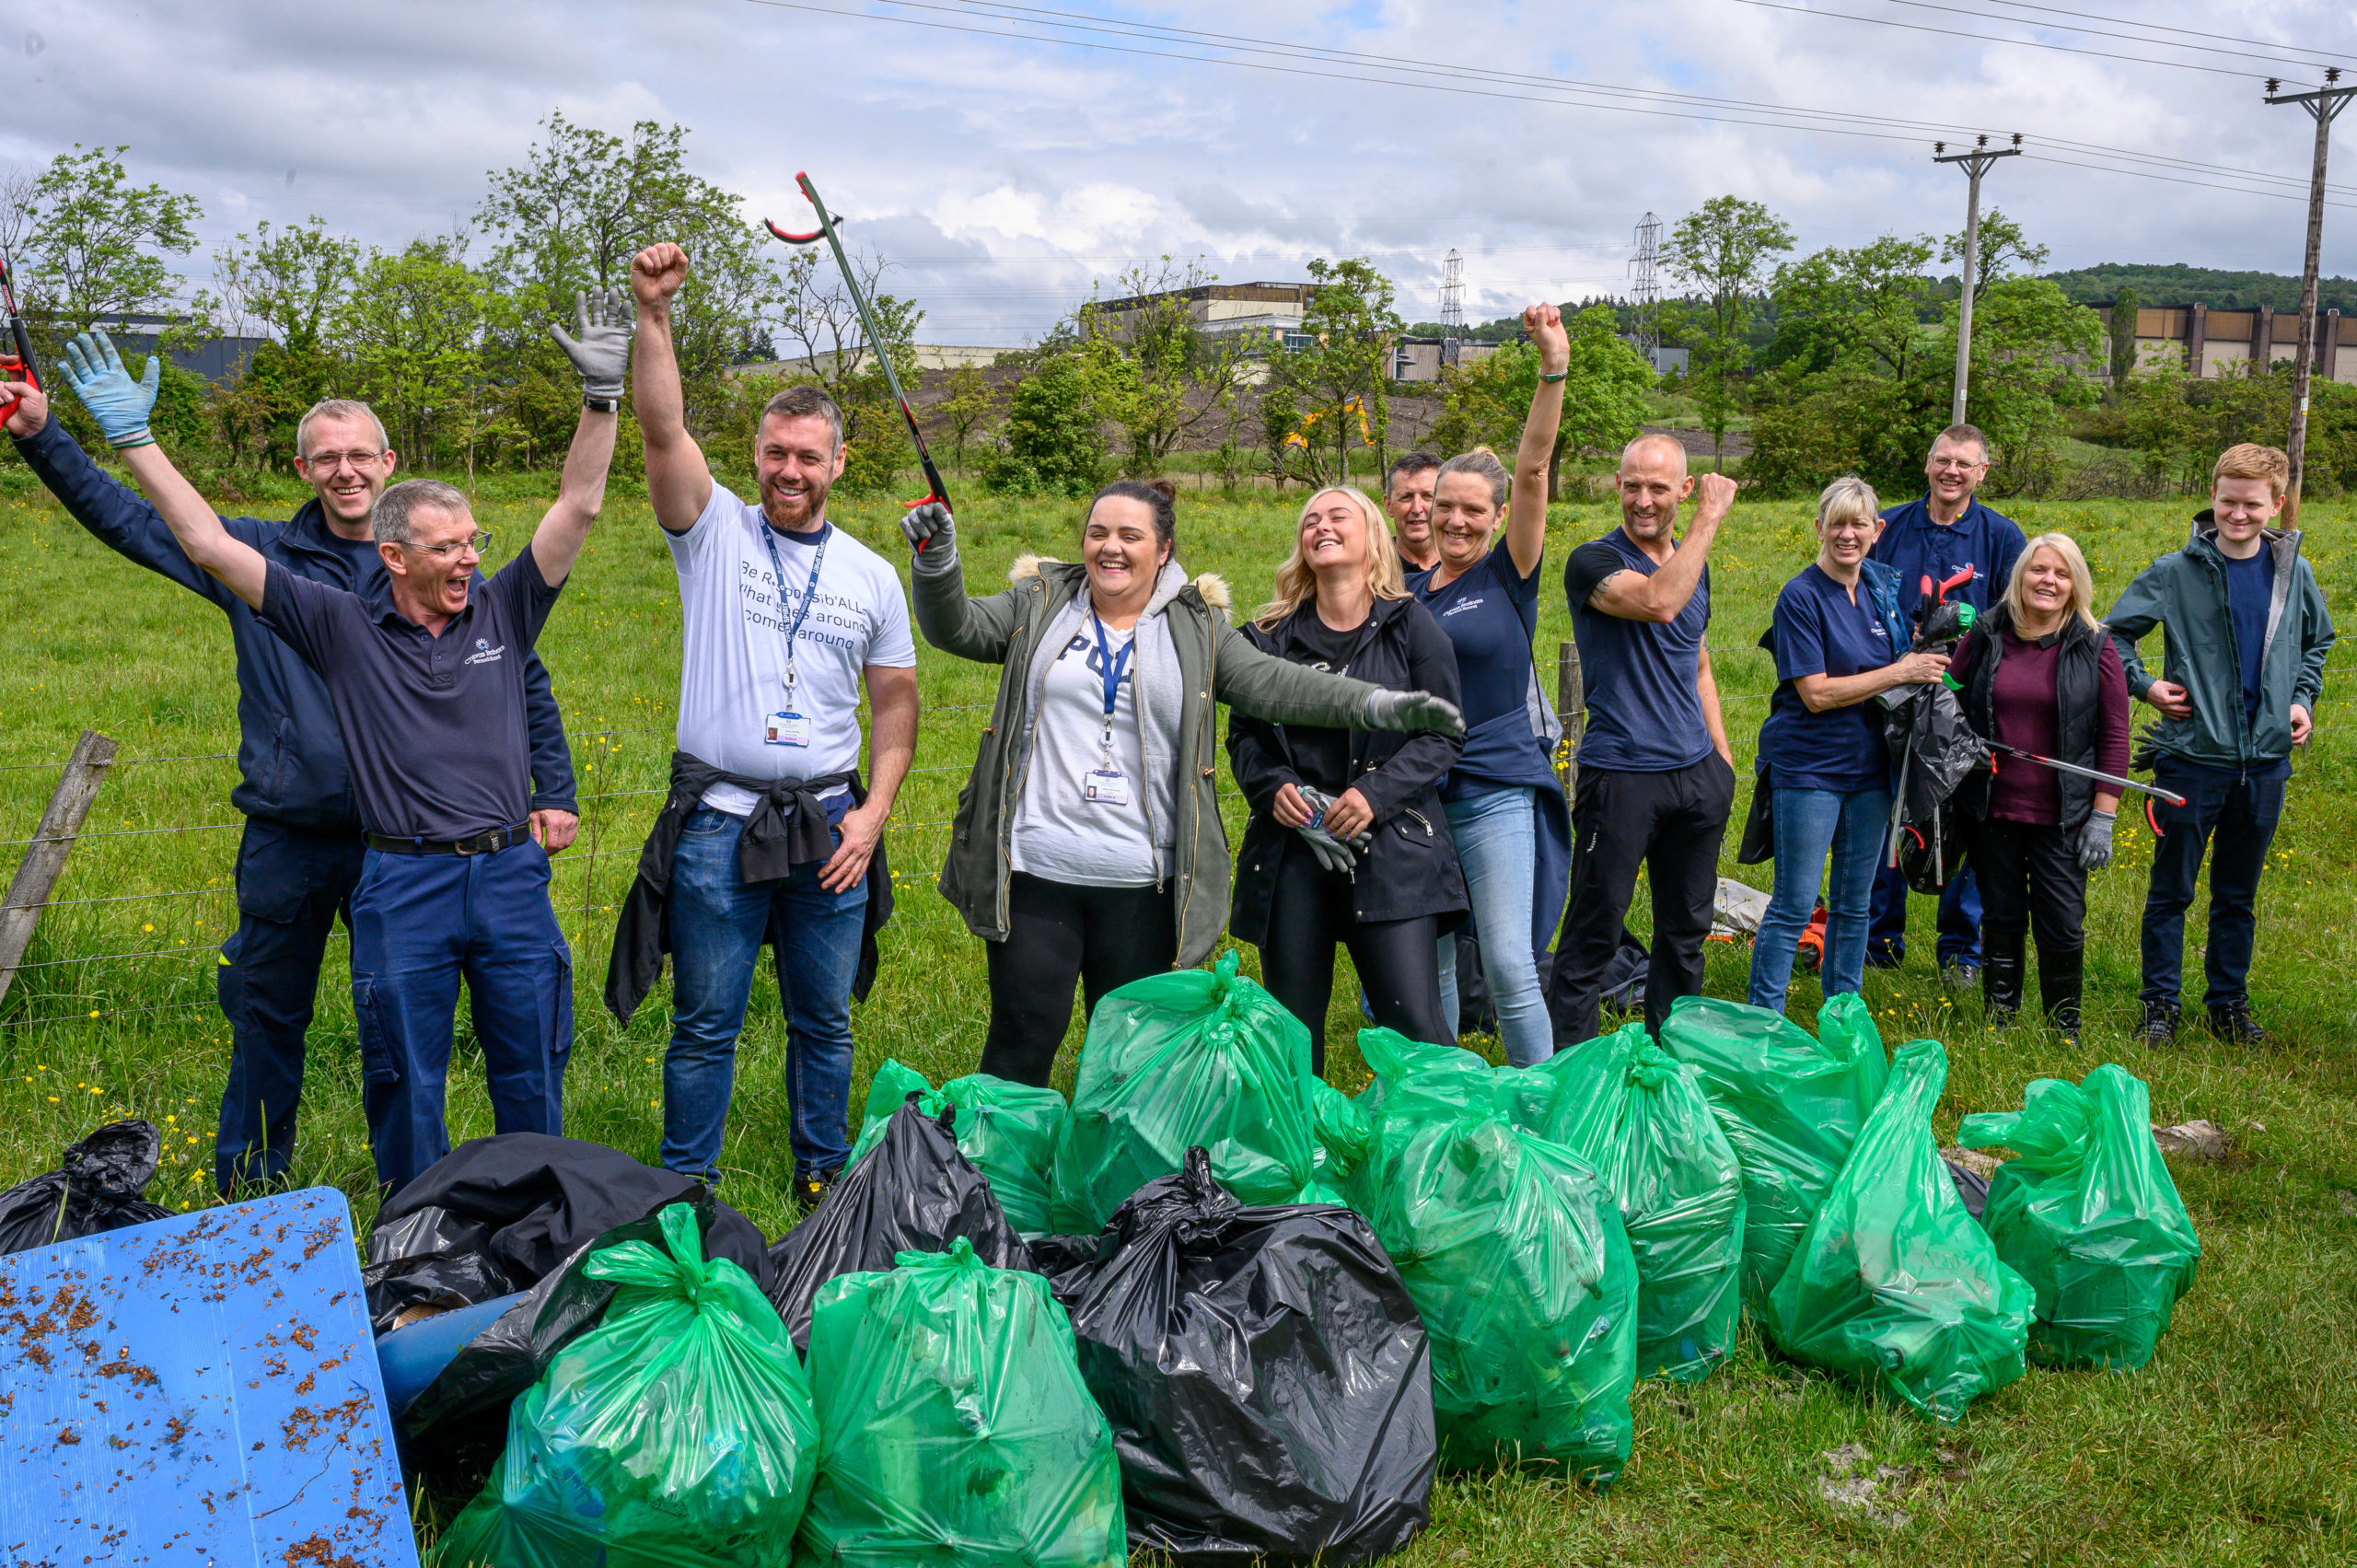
(1218, 1311)
(99, 1184)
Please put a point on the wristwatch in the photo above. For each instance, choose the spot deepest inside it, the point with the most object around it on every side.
(601, 405)
(1557, 377)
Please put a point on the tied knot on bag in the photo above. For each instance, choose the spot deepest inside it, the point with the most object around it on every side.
(1650, 1067)
(681, 1272)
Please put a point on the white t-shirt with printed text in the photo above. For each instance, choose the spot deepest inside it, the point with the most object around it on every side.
(1059, 834)
(732, 670)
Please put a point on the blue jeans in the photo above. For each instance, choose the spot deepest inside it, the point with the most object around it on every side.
(1497, 843)
(717, 924)
(418, 923)
(2234, 816)
(1959, 923)
(1810, 822)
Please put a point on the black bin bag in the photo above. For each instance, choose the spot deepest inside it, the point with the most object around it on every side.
(912, 1192)
(1265, 1372)
(97, 1187)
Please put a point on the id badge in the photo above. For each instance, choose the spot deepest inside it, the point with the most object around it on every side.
(1105, 787)
(786, 729)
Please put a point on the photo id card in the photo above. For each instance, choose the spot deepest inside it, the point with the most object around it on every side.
(786, 729)
(1102, 787)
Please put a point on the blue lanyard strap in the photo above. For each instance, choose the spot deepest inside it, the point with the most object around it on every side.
(1112, 667)
(808, 593)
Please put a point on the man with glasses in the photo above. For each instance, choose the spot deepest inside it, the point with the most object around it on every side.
(305, 789)
(1945, 534)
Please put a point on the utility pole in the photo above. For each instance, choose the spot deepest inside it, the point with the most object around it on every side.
(1976, 164)
(2323, 104)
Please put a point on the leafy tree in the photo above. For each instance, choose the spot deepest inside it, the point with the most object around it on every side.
(1722, 251)
(1159, 374)
(1279, 414)
(95, 245)
(286, 284)
(1054, 439)
(964, 409)
(1337, 381)
(2002, 245)
(2124, 308)
(1604, 404)
(413, 327)
(817, 316)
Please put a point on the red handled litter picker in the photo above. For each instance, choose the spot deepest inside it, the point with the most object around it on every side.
(16, 361)
(826, 231)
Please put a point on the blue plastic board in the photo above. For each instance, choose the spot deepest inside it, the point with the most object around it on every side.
(198, 1392)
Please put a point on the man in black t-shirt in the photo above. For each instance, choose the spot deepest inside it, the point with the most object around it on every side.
(1656, 778)
(425, 674)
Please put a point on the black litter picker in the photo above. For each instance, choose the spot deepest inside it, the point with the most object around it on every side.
(826, 230)
(1925, 729)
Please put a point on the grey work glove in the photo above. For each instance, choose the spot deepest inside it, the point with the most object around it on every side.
(2094, 842)
(600, 351)
(1413, 710)
(1334, 853)
(932, 532)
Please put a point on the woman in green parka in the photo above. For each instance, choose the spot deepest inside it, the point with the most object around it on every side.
(1087, 846)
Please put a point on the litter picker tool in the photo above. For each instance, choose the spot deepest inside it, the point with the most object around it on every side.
(826, 231)
(18, 355)
(2114, 780)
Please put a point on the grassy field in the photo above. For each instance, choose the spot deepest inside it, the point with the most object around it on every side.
(2237, 1444)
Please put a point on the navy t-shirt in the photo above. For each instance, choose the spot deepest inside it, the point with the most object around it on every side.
(1644, 713)
(433, 727)
(1916, 547)
(2250, 587)
(1818, 631)
(1491, 614)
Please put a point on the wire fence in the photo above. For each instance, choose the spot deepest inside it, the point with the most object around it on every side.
(604, 815)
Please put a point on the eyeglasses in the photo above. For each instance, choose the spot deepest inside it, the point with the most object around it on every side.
(327, 462)
(1954, 465)
(478, 541)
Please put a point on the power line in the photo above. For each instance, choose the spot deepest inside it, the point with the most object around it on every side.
(2016, 43)
(2092, 33)
(2156, 27)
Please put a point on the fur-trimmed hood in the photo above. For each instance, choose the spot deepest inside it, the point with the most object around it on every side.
(1211, 586)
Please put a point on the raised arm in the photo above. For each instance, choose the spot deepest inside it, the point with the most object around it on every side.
(1526, 511)
(677, 482)
(1662, 596)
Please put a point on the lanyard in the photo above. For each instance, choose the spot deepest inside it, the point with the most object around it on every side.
(808, 593)
(1111, 670)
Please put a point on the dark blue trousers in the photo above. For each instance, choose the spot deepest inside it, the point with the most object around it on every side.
(1959, 925)
(421, 921)
(2233, 815)
(291, 886)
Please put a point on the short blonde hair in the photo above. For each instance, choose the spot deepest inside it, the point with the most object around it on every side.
(1298, 582)
(2082, 582)
(2250, 460)
(1846, 499)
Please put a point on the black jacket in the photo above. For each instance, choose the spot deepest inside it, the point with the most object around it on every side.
(1411, 870)
(2078, 673)
(290, 754)
(775, 842)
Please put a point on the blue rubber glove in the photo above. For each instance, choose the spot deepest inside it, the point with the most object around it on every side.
(119, 404)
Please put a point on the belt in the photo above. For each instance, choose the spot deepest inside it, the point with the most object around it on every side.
(490, 842)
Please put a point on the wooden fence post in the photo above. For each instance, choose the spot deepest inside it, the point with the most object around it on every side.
(44, 860)
(1571, 706)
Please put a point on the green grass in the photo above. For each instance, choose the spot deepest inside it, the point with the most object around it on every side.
(2234, 1446)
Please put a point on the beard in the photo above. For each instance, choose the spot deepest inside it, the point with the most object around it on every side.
(794, 512)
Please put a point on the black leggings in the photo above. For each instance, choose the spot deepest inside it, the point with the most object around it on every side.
(1103, 938)
(1309, 912)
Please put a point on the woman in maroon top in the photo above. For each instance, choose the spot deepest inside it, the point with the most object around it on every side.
(2037, 673)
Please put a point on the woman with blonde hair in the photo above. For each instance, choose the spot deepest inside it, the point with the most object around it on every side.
(1838, 639)
(2037, 674)
(1348, 845)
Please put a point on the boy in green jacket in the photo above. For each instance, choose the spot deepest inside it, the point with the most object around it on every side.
(2246, 643)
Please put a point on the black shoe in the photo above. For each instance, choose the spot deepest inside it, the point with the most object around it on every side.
(2233, 1024)
(2159, 1026)
(2001, 988)
(1964, 975)
(811, 1191)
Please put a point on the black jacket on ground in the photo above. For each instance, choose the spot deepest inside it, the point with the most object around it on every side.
(775, 842)
(1411, 870)
(2078, 695)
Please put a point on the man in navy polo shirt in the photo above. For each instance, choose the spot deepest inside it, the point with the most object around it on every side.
(1656, 777)
(300, 854)
(427, 674)
(1946, 533)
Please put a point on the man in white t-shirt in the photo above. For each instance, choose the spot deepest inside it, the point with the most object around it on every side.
(786, 617)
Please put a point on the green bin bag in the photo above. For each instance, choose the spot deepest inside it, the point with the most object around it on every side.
(1895, 1283)
(2089, 1215)
(678, 1432)
(1006, 1131)
(956, 1428)
(1640, 1117)
(1790, 1106)
(1195, 1057)
(1513, 1249)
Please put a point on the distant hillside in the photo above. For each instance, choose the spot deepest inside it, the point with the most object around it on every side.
(2179, 284)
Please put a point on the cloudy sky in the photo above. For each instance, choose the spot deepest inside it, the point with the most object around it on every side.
(1004, 166)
